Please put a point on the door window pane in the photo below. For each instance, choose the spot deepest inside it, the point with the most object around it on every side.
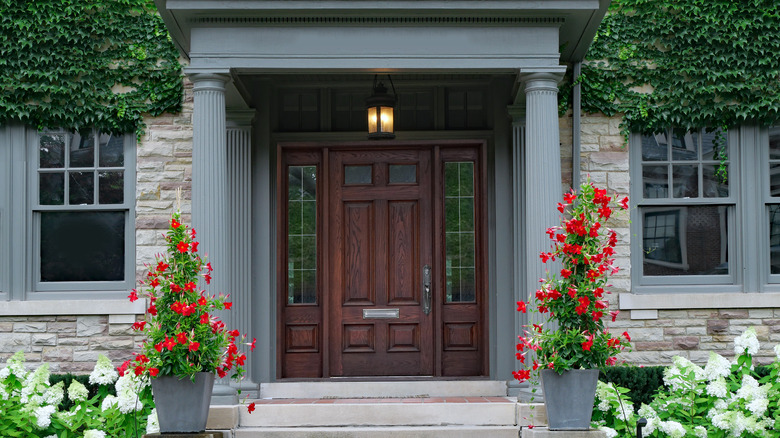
(302, 235)
(403, 173)
(459, 236)
(357, 175)
(691, 240)
(82, 246)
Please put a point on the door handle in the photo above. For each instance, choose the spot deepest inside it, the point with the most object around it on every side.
(426, 289)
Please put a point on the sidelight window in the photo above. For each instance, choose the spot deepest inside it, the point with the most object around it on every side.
(460, 237)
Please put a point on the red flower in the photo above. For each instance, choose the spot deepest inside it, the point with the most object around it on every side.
(133, 295)
(587, 344)
(228, 305)
(177, 307)
(234, 334)
(208, 267)
(240, 359)
(194, 246)
(554, 294)
(594, 230)
(175, 223)
(625, 335)
(161, 266)
(182, 247)
(181, 338)
(193, 233)
(583, 307)
(207, 277)
(152, 310)
(204, 319)
(565, 273)
(521, 306)
(572, 292)
(614, 314)
(597, 315)
(252, 345)
(202, 301)
(155, 282)
(250, 408)
(139, 325)
(605, 212)
(221, 373)
(169, 343)
(189, 286)
(598, 292)
(611, 361)
(175, 287)
(536, 365)
(158, 347)
(624, 203)
(122, 369)
(522, 375)
(194, 346)
(569, 197)
(561, 207)
(139, 370)
(601, 304)
(154, 372)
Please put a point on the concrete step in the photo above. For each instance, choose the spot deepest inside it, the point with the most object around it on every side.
(379, 432)
(331, 389)
(434, 411)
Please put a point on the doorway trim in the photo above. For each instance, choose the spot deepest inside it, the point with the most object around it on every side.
(303, 353)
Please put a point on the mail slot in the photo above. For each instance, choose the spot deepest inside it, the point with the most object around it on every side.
(380, 313)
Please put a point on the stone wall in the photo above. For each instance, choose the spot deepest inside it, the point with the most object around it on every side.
(68, 343)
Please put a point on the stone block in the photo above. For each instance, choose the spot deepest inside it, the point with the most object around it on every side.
(674, 331)
(733, 313)
(85, 356)
(6, 326)
(690, 322)
(702, 313)
(608, 161)
(760, 313)
(110, 343)
(62, 327)
(685, 342)
(717, 326)
(67, 318)
(222, 417)
(29, 327)
(41, 318)
(72, 341)
(121, 330)
(531, 414)
(90, 325)
(44, 339)
(13, 342)
(696, 331)
(652, 346)
(57, 354)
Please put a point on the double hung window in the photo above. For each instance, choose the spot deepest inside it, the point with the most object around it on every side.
(81, 208)
(685, 189)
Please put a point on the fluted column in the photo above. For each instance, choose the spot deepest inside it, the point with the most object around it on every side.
(209, 190)
(239, 180)
(542, 169)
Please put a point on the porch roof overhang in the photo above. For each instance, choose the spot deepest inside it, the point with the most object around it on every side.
(367, 35)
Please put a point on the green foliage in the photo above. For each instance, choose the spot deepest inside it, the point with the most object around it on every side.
(686, 63)
(83, 379)
(78, 64)
(642, 382)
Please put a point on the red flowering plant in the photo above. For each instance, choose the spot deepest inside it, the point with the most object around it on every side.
(574, 297)
(183, 336)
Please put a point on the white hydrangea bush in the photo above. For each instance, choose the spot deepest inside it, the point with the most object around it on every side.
(724, 399)
(30, 406)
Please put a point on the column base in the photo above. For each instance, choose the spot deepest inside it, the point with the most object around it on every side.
(224, 395)
(543, 432)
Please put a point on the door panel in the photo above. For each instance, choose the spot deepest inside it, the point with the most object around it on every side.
(383, 228)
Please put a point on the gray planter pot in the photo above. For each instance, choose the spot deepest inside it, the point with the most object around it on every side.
(569, 397)
(182, 404)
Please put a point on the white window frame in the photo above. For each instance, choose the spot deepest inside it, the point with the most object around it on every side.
(76, 290)
(642, 284)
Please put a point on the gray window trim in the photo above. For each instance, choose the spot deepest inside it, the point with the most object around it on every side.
(772, 281)
(642, 284)
(78, 290)
(5, 184)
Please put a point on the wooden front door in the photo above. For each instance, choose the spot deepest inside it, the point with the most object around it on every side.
(381, 246)
(382, 260)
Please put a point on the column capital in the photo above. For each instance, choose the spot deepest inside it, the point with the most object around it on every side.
(540, 81)
(208, 81)
(517, 113)
(240, 118)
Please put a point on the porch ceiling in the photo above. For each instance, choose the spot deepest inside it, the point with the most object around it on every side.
(577, 20)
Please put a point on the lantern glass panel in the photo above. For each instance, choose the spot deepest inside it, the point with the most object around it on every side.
(387, 119)
(372, 120)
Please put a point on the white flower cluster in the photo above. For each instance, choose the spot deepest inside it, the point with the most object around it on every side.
(717, 366)
(94, 433)
(676, 376)
(43, 416)
(747, 341)
(77, 391)
(152, 424)
(127, 389)
(611, 433)
(104, 372)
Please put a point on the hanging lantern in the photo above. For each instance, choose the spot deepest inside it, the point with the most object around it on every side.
(380, 112)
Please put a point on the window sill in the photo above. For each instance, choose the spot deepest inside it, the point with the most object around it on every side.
(72, 307)
(628, 301)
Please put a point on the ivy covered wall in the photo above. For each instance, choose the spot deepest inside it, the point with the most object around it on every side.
(86, 63)
(685, 63)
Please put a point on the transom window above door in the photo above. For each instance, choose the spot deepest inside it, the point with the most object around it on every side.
(418, 108)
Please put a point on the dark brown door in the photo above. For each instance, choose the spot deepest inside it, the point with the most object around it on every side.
(381, 241)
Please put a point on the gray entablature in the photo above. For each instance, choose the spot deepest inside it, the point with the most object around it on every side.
(576, 20)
